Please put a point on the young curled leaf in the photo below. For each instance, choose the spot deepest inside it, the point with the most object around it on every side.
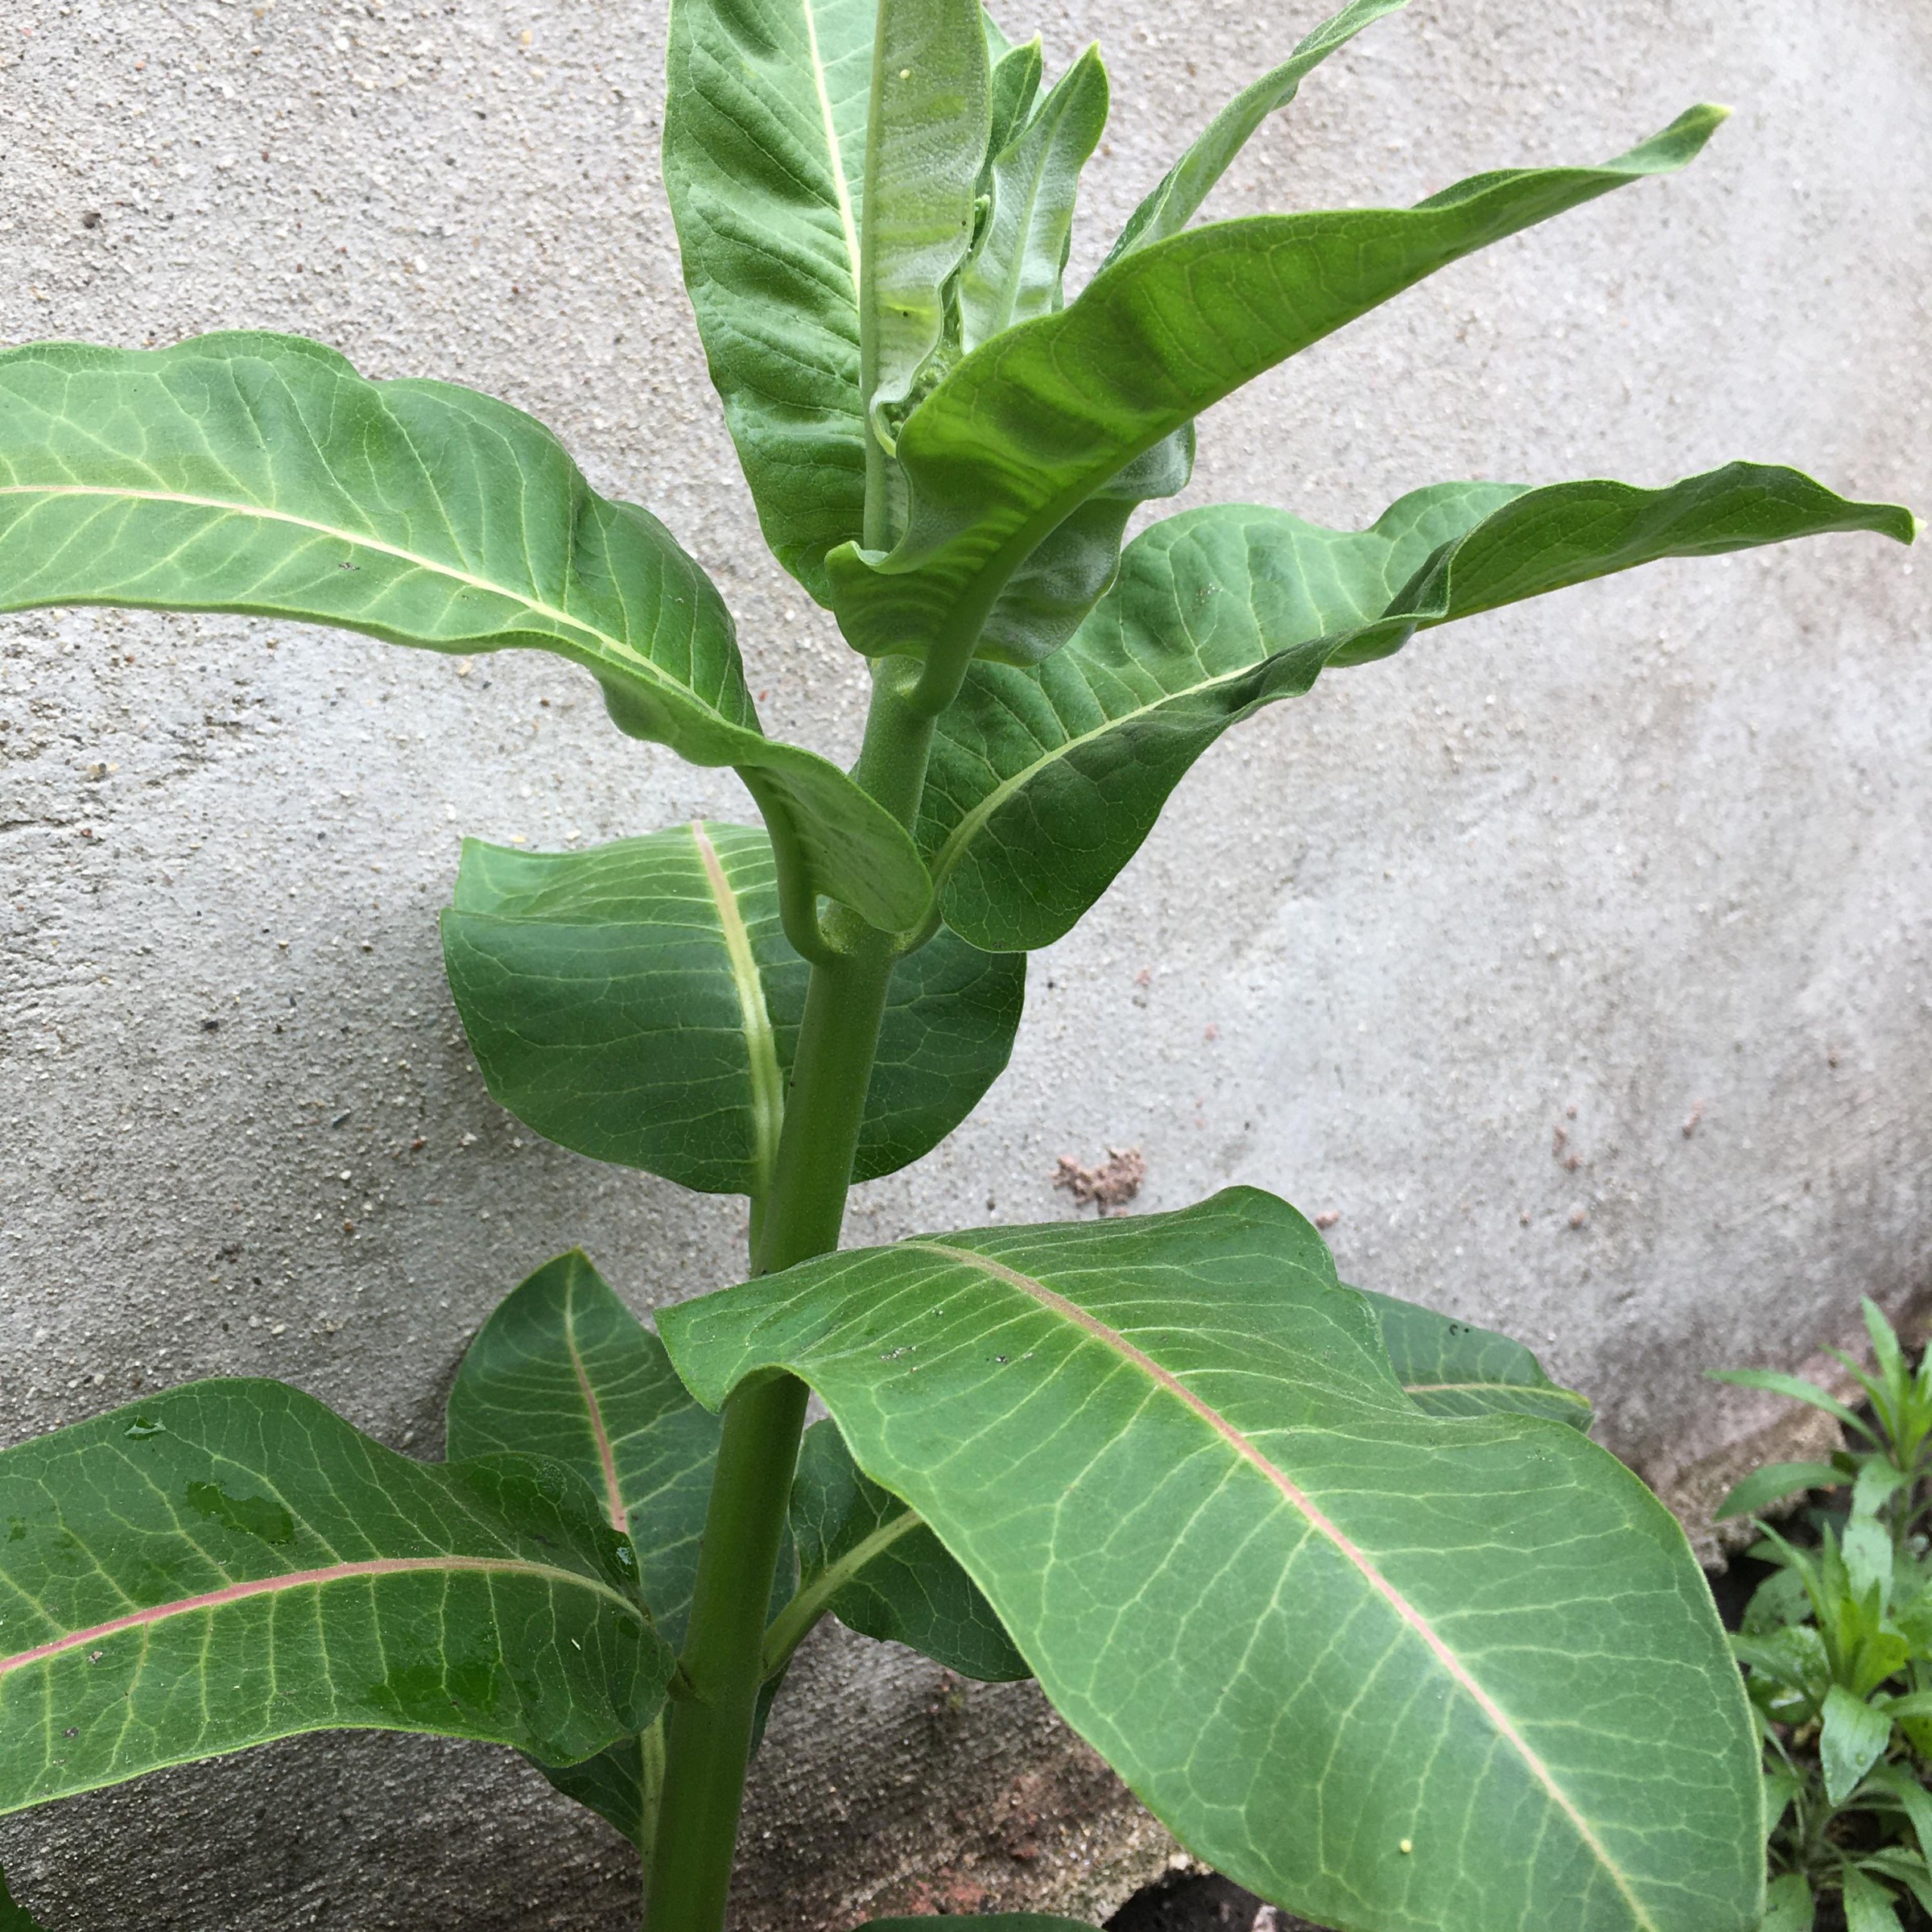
(1029, 426)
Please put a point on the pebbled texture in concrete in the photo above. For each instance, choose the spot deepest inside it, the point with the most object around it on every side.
(1577, 960)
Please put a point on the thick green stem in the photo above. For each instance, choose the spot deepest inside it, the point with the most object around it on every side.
(714, 1712)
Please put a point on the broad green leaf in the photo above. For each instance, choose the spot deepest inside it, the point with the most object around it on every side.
(564, 1369)
(230, 1563)
(1781, 1599)
(1449, 1367)
(1030, 424)
(1186, 185)
(1788, 1906)
(261, 474)
(1044, 781)
(1397, 1671)
(638, 1002)
(1853, 1739)
(764, 168)
(1016, 267)
(1773, 1483)
(925, 135)
(867, 1559)
(1876, 1483)
(14, 1916)
(1868, 1905)
(1776, 1382)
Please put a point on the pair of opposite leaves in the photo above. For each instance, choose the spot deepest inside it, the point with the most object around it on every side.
(1183, 1414)
(260, 474)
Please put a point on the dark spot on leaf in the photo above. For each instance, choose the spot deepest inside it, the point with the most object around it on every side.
(252, 1515)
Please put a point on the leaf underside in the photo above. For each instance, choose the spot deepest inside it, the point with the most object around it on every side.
(260, 474)
(883, 1571)
(765, 108)
(1373, 1670)
(1045, 780)
(230, 1563)
(638, 1002)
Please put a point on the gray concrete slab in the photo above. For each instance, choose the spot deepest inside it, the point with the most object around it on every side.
(1577, 961)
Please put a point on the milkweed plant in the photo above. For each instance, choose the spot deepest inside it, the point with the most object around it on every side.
(1342, 1590)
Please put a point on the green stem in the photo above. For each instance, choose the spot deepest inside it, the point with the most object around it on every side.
(707, 1746)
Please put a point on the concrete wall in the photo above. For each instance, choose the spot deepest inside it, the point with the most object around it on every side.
(1653, 853)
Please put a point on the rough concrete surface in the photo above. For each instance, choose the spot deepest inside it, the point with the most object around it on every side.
(1577, 960)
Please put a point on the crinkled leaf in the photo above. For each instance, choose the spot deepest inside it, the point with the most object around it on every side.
(1030, 425)
(260, 474)
(866, 1558)
(1853, 1739)
(1046, 780)
(1016, 265)
(764, 168)
(1391, 1669)
(1450, 1367)
(230, 1563)
(564, 1369)
(639, 1002)
(1187, 184)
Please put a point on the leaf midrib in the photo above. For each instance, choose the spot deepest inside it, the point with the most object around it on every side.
(976, 817)
(1305, 1505)
(633, 658)
(303, 1579)
(760, 1045)
(834, 150)
(593, 1411)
